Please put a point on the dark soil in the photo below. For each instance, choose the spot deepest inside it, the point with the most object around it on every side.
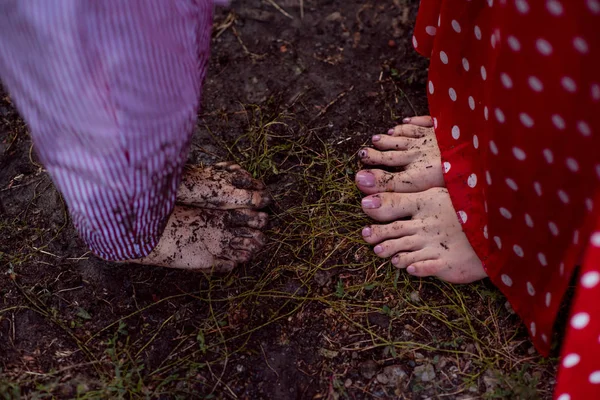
(316, 315)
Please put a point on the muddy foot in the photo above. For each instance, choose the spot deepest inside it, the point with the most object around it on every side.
(431, 243)
(208, 240)
(412, 146)
(223, 186)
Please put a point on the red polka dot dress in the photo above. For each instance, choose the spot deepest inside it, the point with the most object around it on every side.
(514, 89)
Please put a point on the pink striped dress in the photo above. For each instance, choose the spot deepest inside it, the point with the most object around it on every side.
(110, 90)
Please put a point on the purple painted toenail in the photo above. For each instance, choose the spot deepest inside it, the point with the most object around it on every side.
(365, 178)
(411, 269)
(376, 138)
(406, 120)
(371, 202)
(362, 153)
(378, 249)
(395, 260)
(366, 232)
(391, 132)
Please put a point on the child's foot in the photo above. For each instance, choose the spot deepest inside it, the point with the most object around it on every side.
(208, 240)
(412, 146)
(223, 186)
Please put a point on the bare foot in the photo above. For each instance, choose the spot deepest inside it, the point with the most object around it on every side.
(208, 240)
(412, 146)
(431, 243)
(223, 186)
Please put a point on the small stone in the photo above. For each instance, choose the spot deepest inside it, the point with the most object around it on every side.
(509, 308)
(240, 368)
(392, 375)
(425, 373)
(415, 297)
(348, 383)
(368, 369)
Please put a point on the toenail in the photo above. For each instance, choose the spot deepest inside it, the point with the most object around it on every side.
(376, 138)
(411, 269)
(395, 260)
(406, 120)
(371, 202)
(362, 153)
(391, 132)
(378, 249)
(366, 232)
(365, 178)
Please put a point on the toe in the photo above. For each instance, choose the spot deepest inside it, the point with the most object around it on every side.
(390, 206)
(222, 265)
(425, 268)
(394, 246)
(249, 218)
(387, 142)
(228, 166)
(242, 179)
(409, 130)
(403, 260)
(376, 181)
(421, 120)
(244, 243)
(389, 158)
(378, 233)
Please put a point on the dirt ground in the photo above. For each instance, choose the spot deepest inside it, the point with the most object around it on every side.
(295, 88)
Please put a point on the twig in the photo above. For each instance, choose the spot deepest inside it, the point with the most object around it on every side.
(281, 10)
(326, 108)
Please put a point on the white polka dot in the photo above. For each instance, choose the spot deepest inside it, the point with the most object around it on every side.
(589, 204)
(572, 164)
(452, 94)
(463, 216)
(519, 154)
(548, 299)
(543, 47)
(477, 31)
(526, 120)
(446, 167)
(485, 231)
(431, 88)
(594, 6)
(455, 132)
(431, 30)
(505, 213)
(490, 2)
(564, 396)
(506, 81)
(455, 26)
(518, 250)
(498, 242)
(532, 329)
(595, 239)
(528, 220)
(561, 269)
(568, 84)
(513, 43)
(584, 128)
(563, 196)
(535, 84)
(472, 180)
(414, 40)
(558, 122)
(553, 228)
(512, 184)
(483, 73)
(499, 115)
(485, 113)
(475, 141)
(465, 64)
(548, 156)
(506, 280)
(471, 103)
(542, 259)
(595, 377)
(580, 320)
(530, 289)
(571, 360)
(439, 20)
(595, 91)
(590, 279)
(538, 188)
(544, 338)
(554, 7)
(488, 177)
(493, 147)
(581, 45)
(522, 6)
(435, 123)
(576, 237)
(493, 41)
(444, 57)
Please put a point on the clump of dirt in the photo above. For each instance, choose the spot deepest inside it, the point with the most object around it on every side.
(295, 88)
